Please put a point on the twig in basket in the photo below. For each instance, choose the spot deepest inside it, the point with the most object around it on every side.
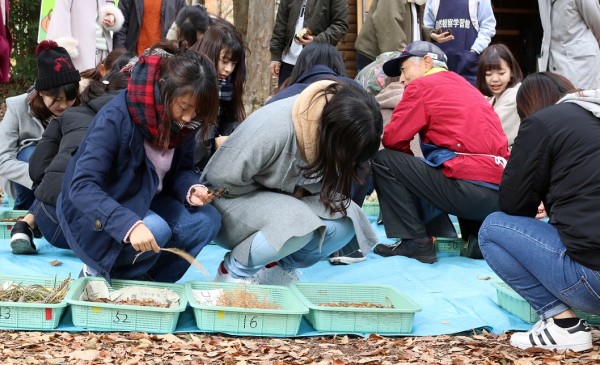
(59, 292)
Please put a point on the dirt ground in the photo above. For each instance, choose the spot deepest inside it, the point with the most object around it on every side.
(141, 348)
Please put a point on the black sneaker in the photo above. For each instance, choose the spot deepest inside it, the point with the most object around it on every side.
(37, 233)
(337, 258)
(421, 249)
(21, 239)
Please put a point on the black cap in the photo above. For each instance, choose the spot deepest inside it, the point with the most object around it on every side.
(415, 49)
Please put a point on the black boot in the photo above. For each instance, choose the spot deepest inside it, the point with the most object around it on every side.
(421, 249)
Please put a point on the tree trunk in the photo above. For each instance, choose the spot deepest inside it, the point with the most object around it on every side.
(259, 83)
(240, 15)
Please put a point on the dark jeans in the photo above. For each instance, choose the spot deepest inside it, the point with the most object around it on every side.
(405, 184)
(47, 223)
(24, 196)
(362, 61)
(359, 192)
(174, 226)
(285, 70)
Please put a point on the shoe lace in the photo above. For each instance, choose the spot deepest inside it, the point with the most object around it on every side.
(538, 327)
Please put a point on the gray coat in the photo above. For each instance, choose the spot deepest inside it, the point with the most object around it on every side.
(571, 42)
(260, 165)
(19, 129)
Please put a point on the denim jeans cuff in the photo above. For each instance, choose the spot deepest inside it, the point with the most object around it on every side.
(555, 310)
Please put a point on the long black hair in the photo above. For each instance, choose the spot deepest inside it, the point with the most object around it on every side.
(316, 53)
(351, 129)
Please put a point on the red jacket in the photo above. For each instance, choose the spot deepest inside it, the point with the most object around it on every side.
(450, 113)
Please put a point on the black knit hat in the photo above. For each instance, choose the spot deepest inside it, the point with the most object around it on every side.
(55, 67)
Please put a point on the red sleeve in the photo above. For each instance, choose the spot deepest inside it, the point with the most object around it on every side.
(408, 119)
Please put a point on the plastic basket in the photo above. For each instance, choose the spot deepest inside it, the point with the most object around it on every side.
(249, 321)
(6, 227)
(451, 246)
(590, 318)
(515, 304)
(371, 208)
(122, 317)
(396, 320)
(31, 315)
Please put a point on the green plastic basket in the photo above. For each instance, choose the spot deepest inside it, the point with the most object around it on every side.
(6, 227)
(31, 315)
(249, 321)
(371, 208)
(590, 318)
(121, 317)
(451, 246)
(397, 320)
(515, 304)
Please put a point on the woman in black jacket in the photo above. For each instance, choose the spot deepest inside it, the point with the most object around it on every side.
(50, 159)
(555, 266)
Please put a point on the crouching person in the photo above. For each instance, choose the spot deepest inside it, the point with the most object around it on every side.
(130, 188)
(554, 265)
(288, 170)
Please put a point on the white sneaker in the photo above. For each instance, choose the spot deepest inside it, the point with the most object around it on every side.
(225, 277)
(548, 335)
(276, 275)
(87, 271)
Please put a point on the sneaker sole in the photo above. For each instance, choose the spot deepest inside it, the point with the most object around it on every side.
(345, 260)
(21, 245)
(575, 348)
(423, 259)
(426, 259)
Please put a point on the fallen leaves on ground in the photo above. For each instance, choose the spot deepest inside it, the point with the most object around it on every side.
(195, 348)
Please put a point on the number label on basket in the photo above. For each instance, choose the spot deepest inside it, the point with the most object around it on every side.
(4, 313)
(455, 245)
(120, 318)
(250, 321)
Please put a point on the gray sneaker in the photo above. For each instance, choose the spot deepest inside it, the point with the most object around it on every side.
(223, 276)
(276, 275)
(337, 258)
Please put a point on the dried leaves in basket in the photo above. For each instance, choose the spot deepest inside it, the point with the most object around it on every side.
(242, 298)
(34, 293)
(140, 302)
(356, 305)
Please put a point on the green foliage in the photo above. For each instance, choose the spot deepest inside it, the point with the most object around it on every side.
(24, 21)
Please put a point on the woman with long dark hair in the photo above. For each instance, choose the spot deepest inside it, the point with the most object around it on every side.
(130, 188)
(555, 266)
(289, 182)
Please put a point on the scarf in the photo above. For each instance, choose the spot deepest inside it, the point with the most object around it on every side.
(226, 89)
(306, 116)
(146, 107)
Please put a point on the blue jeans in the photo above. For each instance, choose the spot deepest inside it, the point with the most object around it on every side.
(297, 252)
(529, 255)
(24, 196)
(173, 226)
(47, 223)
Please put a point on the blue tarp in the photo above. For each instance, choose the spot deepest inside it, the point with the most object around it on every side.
(455, 293)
